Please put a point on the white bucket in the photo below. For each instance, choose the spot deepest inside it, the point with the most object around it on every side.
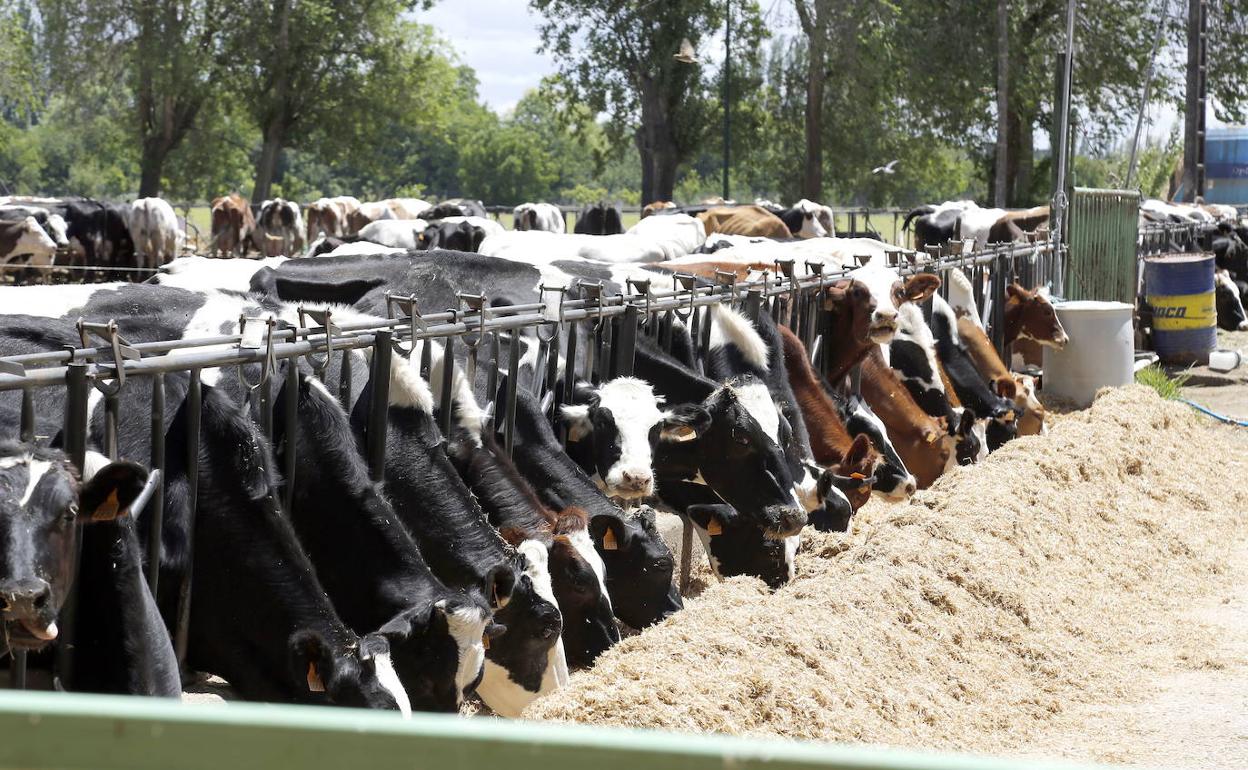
(1101, 351)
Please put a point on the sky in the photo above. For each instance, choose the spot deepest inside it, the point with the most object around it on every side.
(498, 39)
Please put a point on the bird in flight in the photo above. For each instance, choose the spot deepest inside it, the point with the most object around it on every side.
(887, 168)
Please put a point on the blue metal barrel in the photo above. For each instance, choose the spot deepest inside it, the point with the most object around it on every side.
(1179, 289)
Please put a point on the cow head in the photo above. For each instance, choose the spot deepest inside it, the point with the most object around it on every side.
(892, 481)
(1230, 307)
(30, 238)
(622, 421)
(970, 445)
(854, 475)
(1031, 419)
(736, 546)
(41, 501)
(734, 447)
(1033, 315)
(890, 293)
(639, 567)
(358, 674)
(853, 308)
(1003, 426)
(529, 658)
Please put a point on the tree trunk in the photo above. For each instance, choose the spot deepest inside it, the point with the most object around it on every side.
(659, 145)
(1024, 161)
(277, 125)
(151, 167)
(812, 175)
(1001, 180)
(1193, 103)
(266, 165)
(665, 163)
(647, 166)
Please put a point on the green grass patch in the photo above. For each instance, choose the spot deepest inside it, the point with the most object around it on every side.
(1158, 379)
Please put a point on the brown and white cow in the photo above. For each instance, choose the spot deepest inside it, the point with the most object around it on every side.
(993, 369)
(232, 223)
(26, 238)
(1031, 323)
(655, 207)
(328, 216)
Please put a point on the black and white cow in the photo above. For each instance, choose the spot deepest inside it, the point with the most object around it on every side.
(638, 565)
(456, 236)
(279, 228)
(997, 407)
(98, 233)
(454, 207)
(121, 646)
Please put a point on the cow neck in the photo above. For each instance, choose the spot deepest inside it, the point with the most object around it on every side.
(670, 378)
(337, 511)
(507, 498)
(434, 503)
(841, 352)
(1013, 319)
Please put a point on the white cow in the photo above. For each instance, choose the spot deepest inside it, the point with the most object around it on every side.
(329, 216)
(205, 273)
(394, 233)
(155, 232)
(407, 208)
(538, 216)
(279, 228)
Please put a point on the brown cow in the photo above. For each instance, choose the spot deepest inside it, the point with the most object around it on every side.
(656, 207)
(232, 223)
(925, 446)
(830, 442)
(744, 220)
(1030, 323)
(1015, 225)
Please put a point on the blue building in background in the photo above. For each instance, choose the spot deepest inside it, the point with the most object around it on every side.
(1226, 166)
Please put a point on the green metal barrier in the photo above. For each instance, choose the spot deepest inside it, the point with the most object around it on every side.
(1102, 233)
(55, 730)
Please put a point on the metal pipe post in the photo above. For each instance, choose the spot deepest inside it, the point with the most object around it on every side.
(378, 406)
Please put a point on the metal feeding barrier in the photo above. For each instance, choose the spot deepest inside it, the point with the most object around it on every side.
(595, 331)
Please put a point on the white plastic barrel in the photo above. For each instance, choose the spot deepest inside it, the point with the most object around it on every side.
(1101, 351)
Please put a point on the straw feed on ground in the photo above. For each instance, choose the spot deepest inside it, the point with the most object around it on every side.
(971, 617)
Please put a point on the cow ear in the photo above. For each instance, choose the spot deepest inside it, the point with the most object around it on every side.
(1016, 291)
(966, 425)
(857, 451)
(711, 518)
(607, 532)
(109, 493)
(685, 422)
(920, 287)
(310, 659)
(1006, 389)
(576, 417)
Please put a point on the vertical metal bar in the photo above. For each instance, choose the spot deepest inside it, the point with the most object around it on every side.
(344, 381)
(76, 393)
(665, 332)
(491, 377)
(111, 405)
(445, 403)
(426, 358)
(18, 670)
(194, 408)
(704, 342)
(686, 555)
(753, 302)
(625, 343)
(27, 429)
(155, 510)
(379, 405)
(266, 409)
(569, 376)
(291, 419)
(513, 370)
(997, 326)
(855, 380)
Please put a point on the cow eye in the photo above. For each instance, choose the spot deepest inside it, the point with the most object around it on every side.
(740, 436)
(71, 512)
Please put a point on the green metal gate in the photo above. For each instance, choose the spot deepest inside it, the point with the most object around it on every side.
(1102, 233)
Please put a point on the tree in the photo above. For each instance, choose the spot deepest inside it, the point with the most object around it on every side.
(817, 23)
(164, 52)
(322, 68)
(508, 164)
(617, 57)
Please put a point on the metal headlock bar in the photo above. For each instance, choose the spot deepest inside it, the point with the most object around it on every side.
(105, 361)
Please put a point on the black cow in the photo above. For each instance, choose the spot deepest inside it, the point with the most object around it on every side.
(933, 226)
(599, 219)
(454, 207)
(98, 232)
(969, 385)
(455, 236)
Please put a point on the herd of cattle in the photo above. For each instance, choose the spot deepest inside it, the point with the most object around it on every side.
(467, 567)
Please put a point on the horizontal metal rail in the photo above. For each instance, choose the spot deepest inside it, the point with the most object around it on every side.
(46, 369)
(62, 731)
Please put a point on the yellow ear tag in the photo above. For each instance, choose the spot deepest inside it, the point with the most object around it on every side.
(485, 641)
(108, 509)
(858, 476)
(608, 542)
(714, 528)
(314, 679)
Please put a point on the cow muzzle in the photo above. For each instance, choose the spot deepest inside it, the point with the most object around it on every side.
(783, 521)
(883, 328)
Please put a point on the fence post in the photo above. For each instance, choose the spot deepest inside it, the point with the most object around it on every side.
(291, 418)
(625, 343)
(156, 507)
(378, 406)
(194, 405)
(77, 388)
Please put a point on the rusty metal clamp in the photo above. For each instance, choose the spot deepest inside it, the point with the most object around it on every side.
(690, 284)
(325, 319)
(593, 293)
(122, 351)
(406, 304)
(246, 342)
(642, 288)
